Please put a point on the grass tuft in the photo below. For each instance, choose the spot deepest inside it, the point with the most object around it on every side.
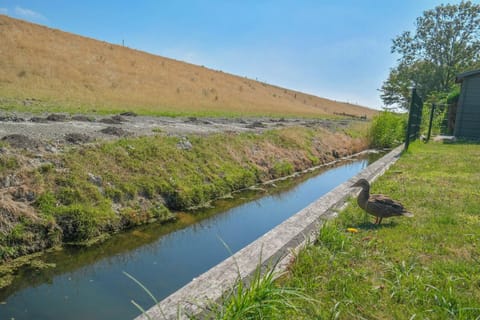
(262, 298)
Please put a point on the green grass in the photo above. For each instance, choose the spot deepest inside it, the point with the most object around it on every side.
(425, 267)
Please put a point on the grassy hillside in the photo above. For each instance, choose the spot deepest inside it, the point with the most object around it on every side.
(46, 69)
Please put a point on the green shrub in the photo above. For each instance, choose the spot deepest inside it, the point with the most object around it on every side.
(160, 212)
(282, 168)
(454, 95)
(46, 168)
(46, 203)
(78, 222)
(439, 116)
(16, 234)
(315, 160)
(83, 221)
(387, 130)
(113, 193)
(7, 252)
(443, 101)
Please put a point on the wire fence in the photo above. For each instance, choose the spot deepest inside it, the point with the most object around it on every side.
(414, 119)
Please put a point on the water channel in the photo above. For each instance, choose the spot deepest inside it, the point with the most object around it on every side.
(88, 283)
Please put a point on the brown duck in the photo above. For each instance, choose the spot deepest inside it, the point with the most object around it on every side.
(378, 205)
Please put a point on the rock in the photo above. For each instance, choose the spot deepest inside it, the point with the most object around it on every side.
(119, 118)
(256, 124)
(22, 193)
(10, 180)
(109, 121)
(184, 144)
(6, 182)
(96, 180)
(83, 118)
(20, 141)
(38, 120)
(51, 148)
(128, 114)
(77, 138)
(114, 131)
(13, 118)
(56, 117)
(195, 120)
(114, 120)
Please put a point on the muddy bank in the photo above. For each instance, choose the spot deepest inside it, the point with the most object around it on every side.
(79, 191)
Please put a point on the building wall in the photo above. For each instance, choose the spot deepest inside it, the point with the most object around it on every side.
(467, 123)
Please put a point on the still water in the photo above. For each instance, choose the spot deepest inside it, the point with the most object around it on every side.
(89, 283)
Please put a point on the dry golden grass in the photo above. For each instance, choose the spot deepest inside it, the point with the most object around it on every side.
(82, 74)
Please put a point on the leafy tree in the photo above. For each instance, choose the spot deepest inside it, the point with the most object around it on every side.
(445, 43)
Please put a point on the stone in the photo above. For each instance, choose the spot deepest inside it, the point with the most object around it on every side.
(96, 180)
(184, 144)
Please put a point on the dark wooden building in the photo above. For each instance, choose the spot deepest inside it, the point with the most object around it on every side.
(467, 122)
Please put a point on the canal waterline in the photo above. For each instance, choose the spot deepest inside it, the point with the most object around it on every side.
(88, 283)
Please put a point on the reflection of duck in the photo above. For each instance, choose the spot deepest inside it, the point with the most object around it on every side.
(378, 205)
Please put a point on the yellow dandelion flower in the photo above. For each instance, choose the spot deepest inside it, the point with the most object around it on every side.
(352, 230)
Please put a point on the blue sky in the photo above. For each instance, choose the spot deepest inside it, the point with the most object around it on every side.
(334, 49)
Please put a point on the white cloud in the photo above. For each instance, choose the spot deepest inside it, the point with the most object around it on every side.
(3, 10)
(28, 14)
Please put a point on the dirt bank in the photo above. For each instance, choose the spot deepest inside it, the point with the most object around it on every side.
(77, 180)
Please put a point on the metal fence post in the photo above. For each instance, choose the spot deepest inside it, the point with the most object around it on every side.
(410, 116)
(431, 122)
(414, 118)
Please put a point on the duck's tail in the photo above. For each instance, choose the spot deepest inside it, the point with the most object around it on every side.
(407, 214)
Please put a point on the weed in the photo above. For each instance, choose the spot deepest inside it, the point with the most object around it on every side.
(8, 163)
(282, 168)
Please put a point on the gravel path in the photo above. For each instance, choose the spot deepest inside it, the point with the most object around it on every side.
(61, 129)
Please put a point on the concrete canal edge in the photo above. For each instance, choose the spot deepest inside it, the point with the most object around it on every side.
(277, 245)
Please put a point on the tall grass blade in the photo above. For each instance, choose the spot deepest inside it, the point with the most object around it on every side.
(144, 288)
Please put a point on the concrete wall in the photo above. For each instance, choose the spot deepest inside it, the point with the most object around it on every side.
(276, 245)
